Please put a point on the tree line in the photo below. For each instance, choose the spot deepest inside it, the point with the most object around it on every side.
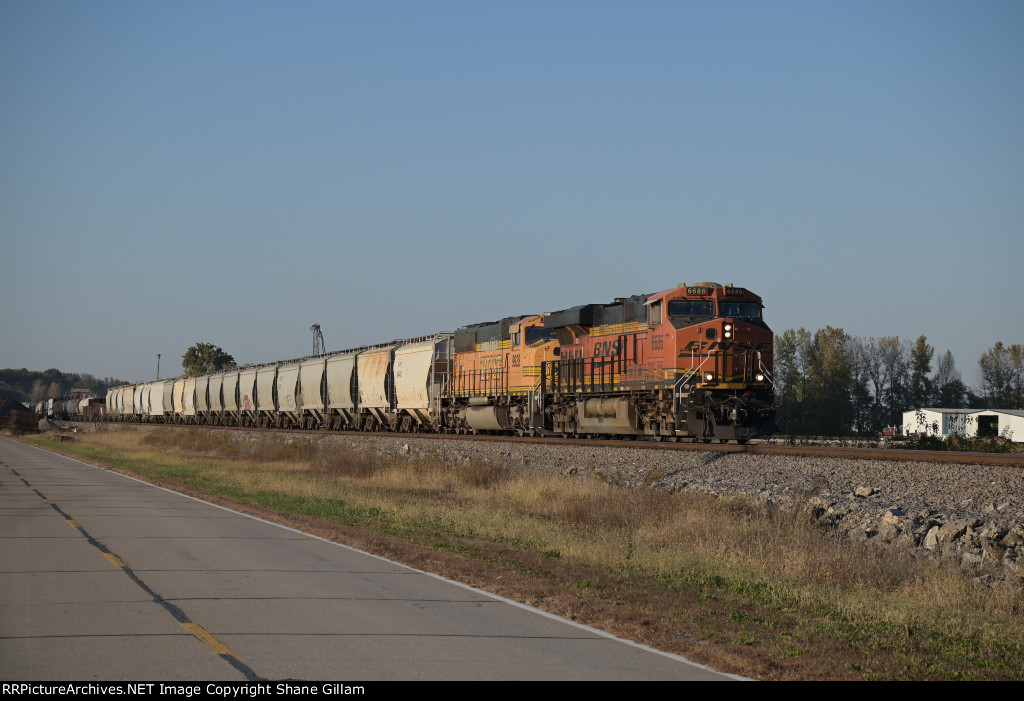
(831, 383)
(29, 386)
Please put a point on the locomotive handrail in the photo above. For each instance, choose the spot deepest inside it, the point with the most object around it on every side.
(767, 373)
(531, 401)
(682, 380)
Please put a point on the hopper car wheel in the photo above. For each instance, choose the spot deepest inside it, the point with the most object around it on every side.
(723, 440)
(742, 441)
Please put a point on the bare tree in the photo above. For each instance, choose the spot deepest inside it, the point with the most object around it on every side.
(949, 390)
(38, 391)
(895, 361)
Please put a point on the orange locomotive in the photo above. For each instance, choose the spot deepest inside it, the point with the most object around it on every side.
(689, 362)
(495, 379)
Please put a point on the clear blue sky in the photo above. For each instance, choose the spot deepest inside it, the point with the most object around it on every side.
(234, 171)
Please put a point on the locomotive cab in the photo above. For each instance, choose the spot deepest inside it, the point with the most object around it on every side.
(720, 350)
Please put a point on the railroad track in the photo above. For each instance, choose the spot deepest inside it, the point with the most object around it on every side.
(851, 453)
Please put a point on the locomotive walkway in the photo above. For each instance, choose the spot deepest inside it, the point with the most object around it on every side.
(105, 577)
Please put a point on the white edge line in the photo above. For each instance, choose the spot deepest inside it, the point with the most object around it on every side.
(498, 597)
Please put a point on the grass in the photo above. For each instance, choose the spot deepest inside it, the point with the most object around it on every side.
(961, 444)
(958, 444)
(756, 592)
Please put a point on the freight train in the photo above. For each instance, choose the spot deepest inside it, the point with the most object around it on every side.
(691, 362)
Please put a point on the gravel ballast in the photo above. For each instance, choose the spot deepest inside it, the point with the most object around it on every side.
(973, 514)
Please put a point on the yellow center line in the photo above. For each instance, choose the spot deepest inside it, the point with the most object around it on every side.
(195, 629)
(114, 559)
(207, 639)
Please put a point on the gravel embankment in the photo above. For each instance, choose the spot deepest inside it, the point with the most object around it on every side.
(962, 490)
(971, 513)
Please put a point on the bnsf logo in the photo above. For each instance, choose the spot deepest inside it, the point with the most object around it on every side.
(722, 345)
(606, 348)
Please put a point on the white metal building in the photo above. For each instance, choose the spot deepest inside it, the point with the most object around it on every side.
(938, 422)
(1008, 423)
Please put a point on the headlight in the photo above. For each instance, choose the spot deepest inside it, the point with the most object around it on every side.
(728, 330)
(759, 377)
(709, 376)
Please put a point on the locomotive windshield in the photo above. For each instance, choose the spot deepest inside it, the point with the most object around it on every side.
(691, 308)
(539, 333)
(740, 310)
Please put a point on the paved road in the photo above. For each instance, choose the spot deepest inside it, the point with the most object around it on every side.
(105, 577)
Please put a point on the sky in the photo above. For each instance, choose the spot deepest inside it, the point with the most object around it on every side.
(233, 171)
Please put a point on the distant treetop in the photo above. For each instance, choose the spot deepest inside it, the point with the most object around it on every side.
(203, 358)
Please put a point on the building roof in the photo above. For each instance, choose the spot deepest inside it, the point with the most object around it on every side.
(1011, 412)
(9, 405)
(944, 411)
(938, 410)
